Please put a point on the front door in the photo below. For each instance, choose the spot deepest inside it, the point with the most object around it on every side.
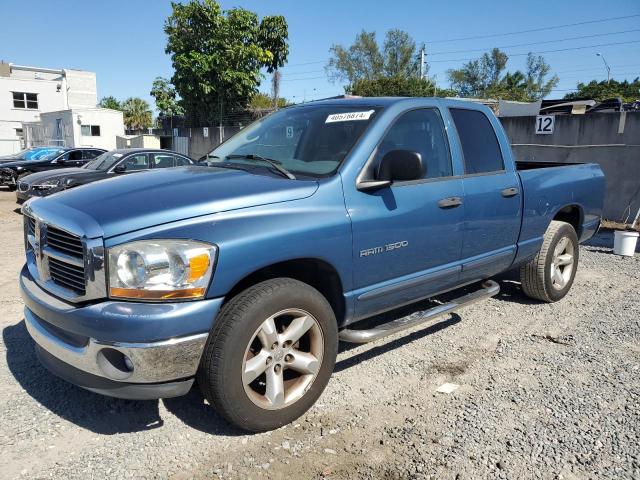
(406, 240)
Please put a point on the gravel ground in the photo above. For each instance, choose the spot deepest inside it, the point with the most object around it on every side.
(546, 391)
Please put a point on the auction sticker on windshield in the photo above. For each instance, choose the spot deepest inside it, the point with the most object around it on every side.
(349, 116)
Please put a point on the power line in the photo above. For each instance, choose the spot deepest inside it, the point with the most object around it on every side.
(597, 68)
(542, 51)
(298, 79)
(554, 27)
(476, 37)
(538, 43)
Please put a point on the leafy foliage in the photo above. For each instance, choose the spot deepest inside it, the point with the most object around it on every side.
(217, 55)
(110, 102)
(165, 97)
(484, 77)
(137, 113)
(628, 91)
(397, 86)
(273, 35)
(261, 101)
(365, 60)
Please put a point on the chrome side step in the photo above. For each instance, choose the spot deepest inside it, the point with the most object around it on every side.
(489, 289)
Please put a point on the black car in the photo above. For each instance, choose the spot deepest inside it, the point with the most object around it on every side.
(12, 171)
(107, 165)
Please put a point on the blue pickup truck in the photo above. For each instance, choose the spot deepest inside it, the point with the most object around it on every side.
(246, 273)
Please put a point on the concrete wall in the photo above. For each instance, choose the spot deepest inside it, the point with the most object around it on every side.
(610, 139)
(138, 141)
(199, 145)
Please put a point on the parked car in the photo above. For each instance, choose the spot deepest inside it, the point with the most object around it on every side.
(30, 153)
(247, 273)
(10, 172)
(107, 165)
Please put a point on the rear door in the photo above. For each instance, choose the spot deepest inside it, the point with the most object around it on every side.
(492, 211)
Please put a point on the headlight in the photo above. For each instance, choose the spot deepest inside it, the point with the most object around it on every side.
(47, 184)
(161, 269)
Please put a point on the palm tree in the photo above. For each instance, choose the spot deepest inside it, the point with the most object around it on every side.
(137, 113)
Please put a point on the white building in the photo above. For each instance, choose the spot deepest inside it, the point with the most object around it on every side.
(76, 127)
(56, 107)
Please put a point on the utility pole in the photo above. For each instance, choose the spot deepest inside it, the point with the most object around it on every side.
(422, 63)
(606, 66)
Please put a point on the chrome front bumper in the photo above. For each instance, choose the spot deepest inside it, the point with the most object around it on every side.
(117, 348)
(155, 362)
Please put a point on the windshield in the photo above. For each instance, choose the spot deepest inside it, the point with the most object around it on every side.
(104, 161)
(310, 140)
(47, 154)
(36, 153)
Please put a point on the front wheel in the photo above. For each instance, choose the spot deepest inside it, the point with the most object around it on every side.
(549, 276)
(270, 354)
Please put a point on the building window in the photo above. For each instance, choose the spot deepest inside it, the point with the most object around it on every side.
(25, 100)
(90, 130)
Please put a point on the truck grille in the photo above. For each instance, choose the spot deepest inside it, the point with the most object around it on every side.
(67, 275)
(60, 253)
(65, 242)
(31, 226)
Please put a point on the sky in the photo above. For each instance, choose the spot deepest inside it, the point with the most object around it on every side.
(123, 41)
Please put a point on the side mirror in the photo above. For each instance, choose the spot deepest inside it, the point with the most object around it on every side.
(401, 166)
(120, 168)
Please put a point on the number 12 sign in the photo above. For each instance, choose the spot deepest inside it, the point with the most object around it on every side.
(545, 124)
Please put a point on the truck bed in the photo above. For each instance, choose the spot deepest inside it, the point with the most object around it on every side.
(527, 165)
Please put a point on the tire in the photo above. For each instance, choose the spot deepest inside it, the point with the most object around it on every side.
(12, 188)
(549, 275)
(237, 349)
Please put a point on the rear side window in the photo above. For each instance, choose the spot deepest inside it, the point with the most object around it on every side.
(479, 143)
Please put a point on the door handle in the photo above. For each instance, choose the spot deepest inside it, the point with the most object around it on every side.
(450, 202)
(510, 192)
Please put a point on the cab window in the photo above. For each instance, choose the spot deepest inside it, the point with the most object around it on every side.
(420, 131)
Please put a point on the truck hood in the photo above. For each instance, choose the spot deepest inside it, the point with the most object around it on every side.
(134, 202)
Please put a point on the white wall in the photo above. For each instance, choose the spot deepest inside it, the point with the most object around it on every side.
(70, 123)
(56, 90)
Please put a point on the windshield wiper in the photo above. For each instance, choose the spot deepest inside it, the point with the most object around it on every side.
(274, 163)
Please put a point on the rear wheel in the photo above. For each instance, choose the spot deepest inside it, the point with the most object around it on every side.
(549, 276)
(270, 354)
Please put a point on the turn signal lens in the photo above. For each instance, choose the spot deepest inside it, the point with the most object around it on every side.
(198, 266)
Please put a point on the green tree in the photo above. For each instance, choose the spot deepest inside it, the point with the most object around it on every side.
(397, 86)
(484, 77)
(274, 34)
(217, 55)
(366, 60)
(262, 101)
(628, 91)
(165, 97)
(137, 113)
(110, 102)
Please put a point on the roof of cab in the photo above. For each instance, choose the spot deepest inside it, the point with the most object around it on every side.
(388, 101)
